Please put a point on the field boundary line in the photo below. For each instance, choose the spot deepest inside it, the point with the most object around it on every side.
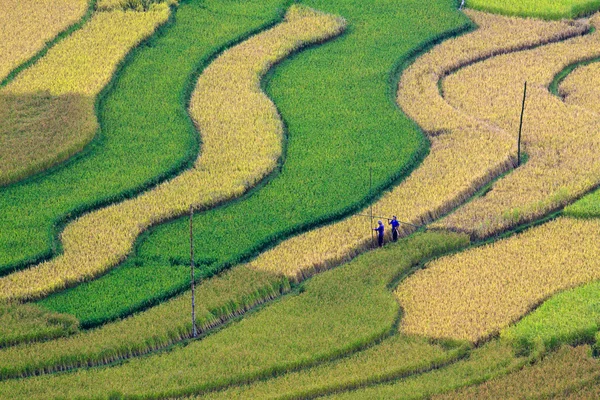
(49, 44)
(184, 164)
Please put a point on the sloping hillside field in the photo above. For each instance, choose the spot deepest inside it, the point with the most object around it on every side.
(252, 148)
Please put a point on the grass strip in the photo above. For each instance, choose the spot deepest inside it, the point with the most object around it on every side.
(242, 136)
(351, 304)
(547, 9)
(586, 207)
(329, 122)
(135, 5)
(396, 357)
(571, 317)
(579, 85)
(558, 372)
(132, 151)
(218, 300)
(25, 323)
(484, 363)
(569, 83)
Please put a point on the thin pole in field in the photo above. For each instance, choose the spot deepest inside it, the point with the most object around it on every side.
(521, 126)
(371, 206)
(194, 330)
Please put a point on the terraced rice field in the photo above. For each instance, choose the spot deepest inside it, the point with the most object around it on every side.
(288, 129)
(73, 71)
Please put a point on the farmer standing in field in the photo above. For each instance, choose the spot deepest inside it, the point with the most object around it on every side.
(380, 228)
(395, 225)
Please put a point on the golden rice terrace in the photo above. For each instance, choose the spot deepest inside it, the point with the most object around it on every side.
(205, 199)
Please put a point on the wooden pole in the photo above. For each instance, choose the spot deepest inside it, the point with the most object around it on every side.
(371, 207)
(521, 126)
(194, 330)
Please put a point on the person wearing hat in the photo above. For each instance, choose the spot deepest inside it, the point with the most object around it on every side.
(380, 229)
(395, 225)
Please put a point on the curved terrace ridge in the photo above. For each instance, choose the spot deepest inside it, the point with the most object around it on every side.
(414, 76)
(29, 26)
(561, 141)
(582, 87)
(242, 140)
(519, 40)
(561, 167)
(466, 153)
(146, 134)
(48, 110)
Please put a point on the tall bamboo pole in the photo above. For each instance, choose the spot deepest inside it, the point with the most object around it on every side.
(371, 206)
(521, 125)
(192, 280)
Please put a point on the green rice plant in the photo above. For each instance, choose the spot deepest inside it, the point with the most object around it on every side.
(560, 372)
(242, 140)
(165, 281)
(484, 363)
(75, 70)
(337, 312)
(131, 152)
(25, 323)
(586, 207)
(136, 5)
(547, 9)
(570, 317)
(217, 300)
(396, 357)
(330, 122)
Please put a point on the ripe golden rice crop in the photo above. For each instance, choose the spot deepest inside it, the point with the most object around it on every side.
(582, 87)
(467, 155)
(85, 62)
(28, 24)
(242, 139)
(561, 140)
(35, 127)
(419, 95)
(74, 71)
(474, 294)
(137, 5)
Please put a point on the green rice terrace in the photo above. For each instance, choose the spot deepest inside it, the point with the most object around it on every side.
(279, 199)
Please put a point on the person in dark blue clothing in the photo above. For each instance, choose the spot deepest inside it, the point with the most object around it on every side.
(395, 225)
(380, 229)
